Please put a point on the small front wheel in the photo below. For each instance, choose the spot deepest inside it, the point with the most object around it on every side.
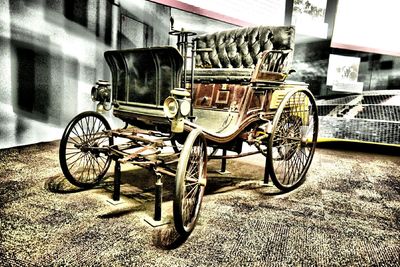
(83, 149)
(191, 178)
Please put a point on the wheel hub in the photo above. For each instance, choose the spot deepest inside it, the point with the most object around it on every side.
(84, 148)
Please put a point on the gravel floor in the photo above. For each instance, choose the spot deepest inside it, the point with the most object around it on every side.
(347, 213)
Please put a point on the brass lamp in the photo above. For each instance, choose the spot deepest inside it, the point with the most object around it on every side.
(177, 108)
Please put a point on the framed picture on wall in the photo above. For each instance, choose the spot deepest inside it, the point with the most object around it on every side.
(343, 74)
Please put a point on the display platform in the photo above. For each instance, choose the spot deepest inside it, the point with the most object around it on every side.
(370, 117)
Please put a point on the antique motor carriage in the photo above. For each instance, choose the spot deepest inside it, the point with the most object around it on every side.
(202, 100)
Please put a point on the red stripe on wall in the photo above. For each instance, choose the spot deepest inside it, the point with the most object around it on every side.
(203, 12)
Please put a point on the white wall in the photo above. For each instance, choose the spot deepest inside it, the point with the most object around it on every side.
(368, 25)
(67, 59)
(49, 59)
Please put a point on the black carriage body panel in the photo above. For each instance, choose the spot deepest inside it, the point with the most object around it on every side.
(142, 78)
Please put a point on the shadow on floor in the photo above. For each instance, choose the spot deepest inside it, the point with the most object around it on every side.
(361, 147)
(138, 185)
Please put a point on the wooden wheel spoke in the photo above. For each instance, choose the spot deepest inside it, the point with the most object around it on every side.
(80, 157)
(192, 192)
(190, 179)
(96, 162)
(73, 154)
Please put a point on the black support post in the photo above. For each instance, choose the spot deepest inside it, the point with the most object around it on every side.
(223, 162)
(117, 181)
(223, 170)
(158, 200)
(266, 172)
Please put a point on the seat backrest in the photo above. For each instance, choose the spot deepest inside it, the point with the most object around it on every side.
(242, 47)
(144, 76)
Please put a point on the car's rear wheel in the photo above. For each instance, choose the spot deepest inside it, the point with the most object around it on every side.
(293, 139)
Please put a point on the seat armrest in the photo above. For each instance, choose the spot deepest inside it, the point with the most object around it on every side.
(272, 66)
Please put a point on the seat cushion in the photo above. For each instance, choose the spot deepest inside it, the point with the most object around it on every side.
(222, 75)
(242, 47)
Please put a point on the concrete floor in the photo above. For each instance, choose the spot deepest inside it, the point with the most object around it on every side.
(347, 213)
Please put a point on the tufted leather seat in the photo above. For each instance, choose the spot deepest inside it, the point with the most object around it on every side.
(234, 53)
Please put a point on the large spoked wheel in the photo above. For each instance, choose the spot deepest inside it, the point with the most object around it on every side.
(83, 155)
(293, 139)
(191, 178)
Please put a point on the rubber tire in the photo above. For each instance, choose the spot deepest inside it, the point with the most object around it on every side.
(180, 226)
(63, 145)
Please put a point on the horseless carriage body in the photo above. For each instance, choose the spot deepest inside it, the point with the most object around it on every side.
(177, 116)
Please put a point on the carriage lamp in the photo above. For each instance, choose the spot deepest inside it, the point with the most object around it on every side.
(185, 108)
(171, 107)
(176, 108)
(101, 92)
